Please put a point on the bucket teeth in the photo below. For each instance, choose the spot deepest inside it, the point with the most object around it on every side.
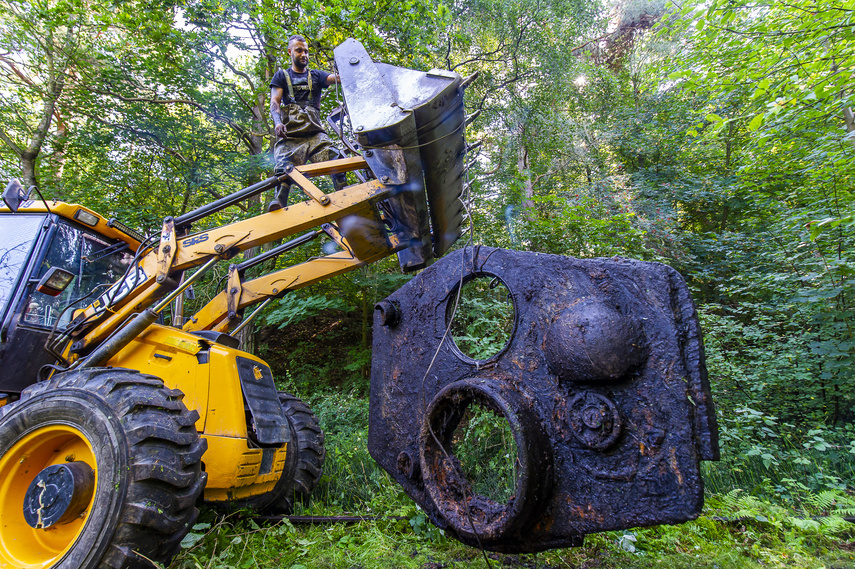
(469, 80)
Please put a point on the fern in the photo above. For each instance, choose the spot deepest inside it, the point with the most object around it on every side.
(292, 309)
(824, 500)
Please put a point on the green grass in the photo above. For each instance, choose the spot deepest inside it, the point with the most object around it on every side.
(756, 516)
(238, 542)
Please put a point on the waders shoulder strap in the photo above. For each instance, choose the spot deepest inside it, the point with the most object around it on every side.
(300, 87)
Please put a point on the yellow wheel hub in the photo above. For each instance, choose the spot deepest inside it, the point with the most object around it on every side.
(21, 545)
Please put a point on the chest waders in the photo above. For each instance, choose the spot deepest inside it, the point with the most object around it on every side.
(302, 121)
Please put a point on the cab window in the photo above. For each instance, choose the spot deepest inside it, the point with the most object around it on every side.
(17, 235)
(95, 262)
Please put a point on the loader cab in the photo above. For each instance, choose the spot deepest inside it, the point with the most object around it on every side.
(31, 244)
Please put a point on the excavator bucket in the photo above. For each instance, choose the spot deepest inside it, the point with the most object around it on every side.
(602, 384)
(409, 125)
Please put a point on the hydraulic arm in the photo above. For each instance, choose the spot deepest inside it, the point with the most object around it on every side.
(413, 146)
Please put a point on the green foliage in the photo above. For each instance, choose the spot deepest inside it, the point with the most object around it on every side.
(484, 318)
(344, 419)
(580, 226)
(723, 144)
(737, 530)
(487, 453)
(292, 309)
(792, 361)
(765, 457)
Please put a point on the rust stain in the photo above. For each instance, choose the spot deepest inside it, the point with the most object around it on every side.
(586, 384)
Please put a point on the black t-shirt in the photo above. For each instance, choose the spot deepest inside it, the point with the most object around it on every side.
(319, 83)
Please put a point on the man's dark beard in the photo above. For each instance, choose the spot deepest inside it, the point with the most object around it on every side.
(298, 63)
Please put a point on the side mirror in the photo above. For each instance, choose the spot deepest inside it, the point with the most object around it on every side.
(54, 281)
(14, 194)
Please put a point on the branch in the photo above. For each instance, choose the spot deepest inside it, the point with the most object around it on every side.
(21, 118)
(11, 65)
(539, 178)
(222, 57)
(231, 86)
(501, 85)
(241, 132)
(139, 132)
(55, 87)
(777, 33)
(601, 38)
(496, 169)
(481, 57)
(11, 144)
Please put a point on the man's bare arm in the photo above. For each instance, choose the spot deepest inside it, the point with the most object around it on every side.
(333, 78)
(275, 100)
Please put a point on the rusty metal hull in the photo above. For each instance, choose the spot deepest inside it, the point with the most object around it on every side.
(603, 384)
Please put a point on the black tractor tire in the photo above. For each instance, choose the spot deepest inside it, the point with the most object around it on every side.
(307, 439)
(140, 441)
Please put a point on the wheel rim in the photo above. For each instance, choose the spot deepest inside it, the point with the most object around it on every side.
(21, 545)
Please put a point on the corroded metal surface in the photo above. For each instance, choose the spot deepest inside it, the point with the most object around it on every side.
(603, 385)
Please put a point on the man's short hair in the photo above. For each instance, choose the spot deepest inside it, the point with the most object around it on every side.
(296, 38)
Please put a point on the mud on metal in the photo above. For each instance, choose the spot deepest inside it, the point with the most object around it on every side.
(603, 384)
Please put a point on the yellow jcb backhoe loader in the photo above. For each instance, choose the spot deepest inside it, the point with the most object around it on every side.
(113, 424)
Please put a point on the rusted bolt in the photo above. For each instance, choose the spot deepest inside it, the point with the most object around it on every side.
(385, 179)
(275, 290)
(233, 290)
(160, 279)
(407, 466)
(388, 313)
(369, 153)
(354, 60)
(166, 249)
(219, 248)
(324, 200)
(594, 420)
(593, 417)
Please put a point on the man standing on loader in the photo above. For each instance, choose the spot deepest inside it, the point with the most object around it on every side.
(299, 133)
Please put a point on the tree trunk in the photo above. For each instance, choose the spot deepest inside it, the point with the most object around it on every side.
(528, 184)
(849, 118)
(28, 169)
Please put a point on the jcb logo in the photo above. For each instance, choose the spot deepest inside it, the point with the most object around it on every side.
(119, 290)
(196, 239)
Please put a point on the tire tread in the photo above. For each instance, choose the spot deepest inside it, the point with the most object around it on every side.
(165, 452)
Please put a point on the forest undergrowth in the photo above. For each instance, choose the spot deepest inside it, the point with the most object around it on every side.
(787, 515)
(779, 497)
